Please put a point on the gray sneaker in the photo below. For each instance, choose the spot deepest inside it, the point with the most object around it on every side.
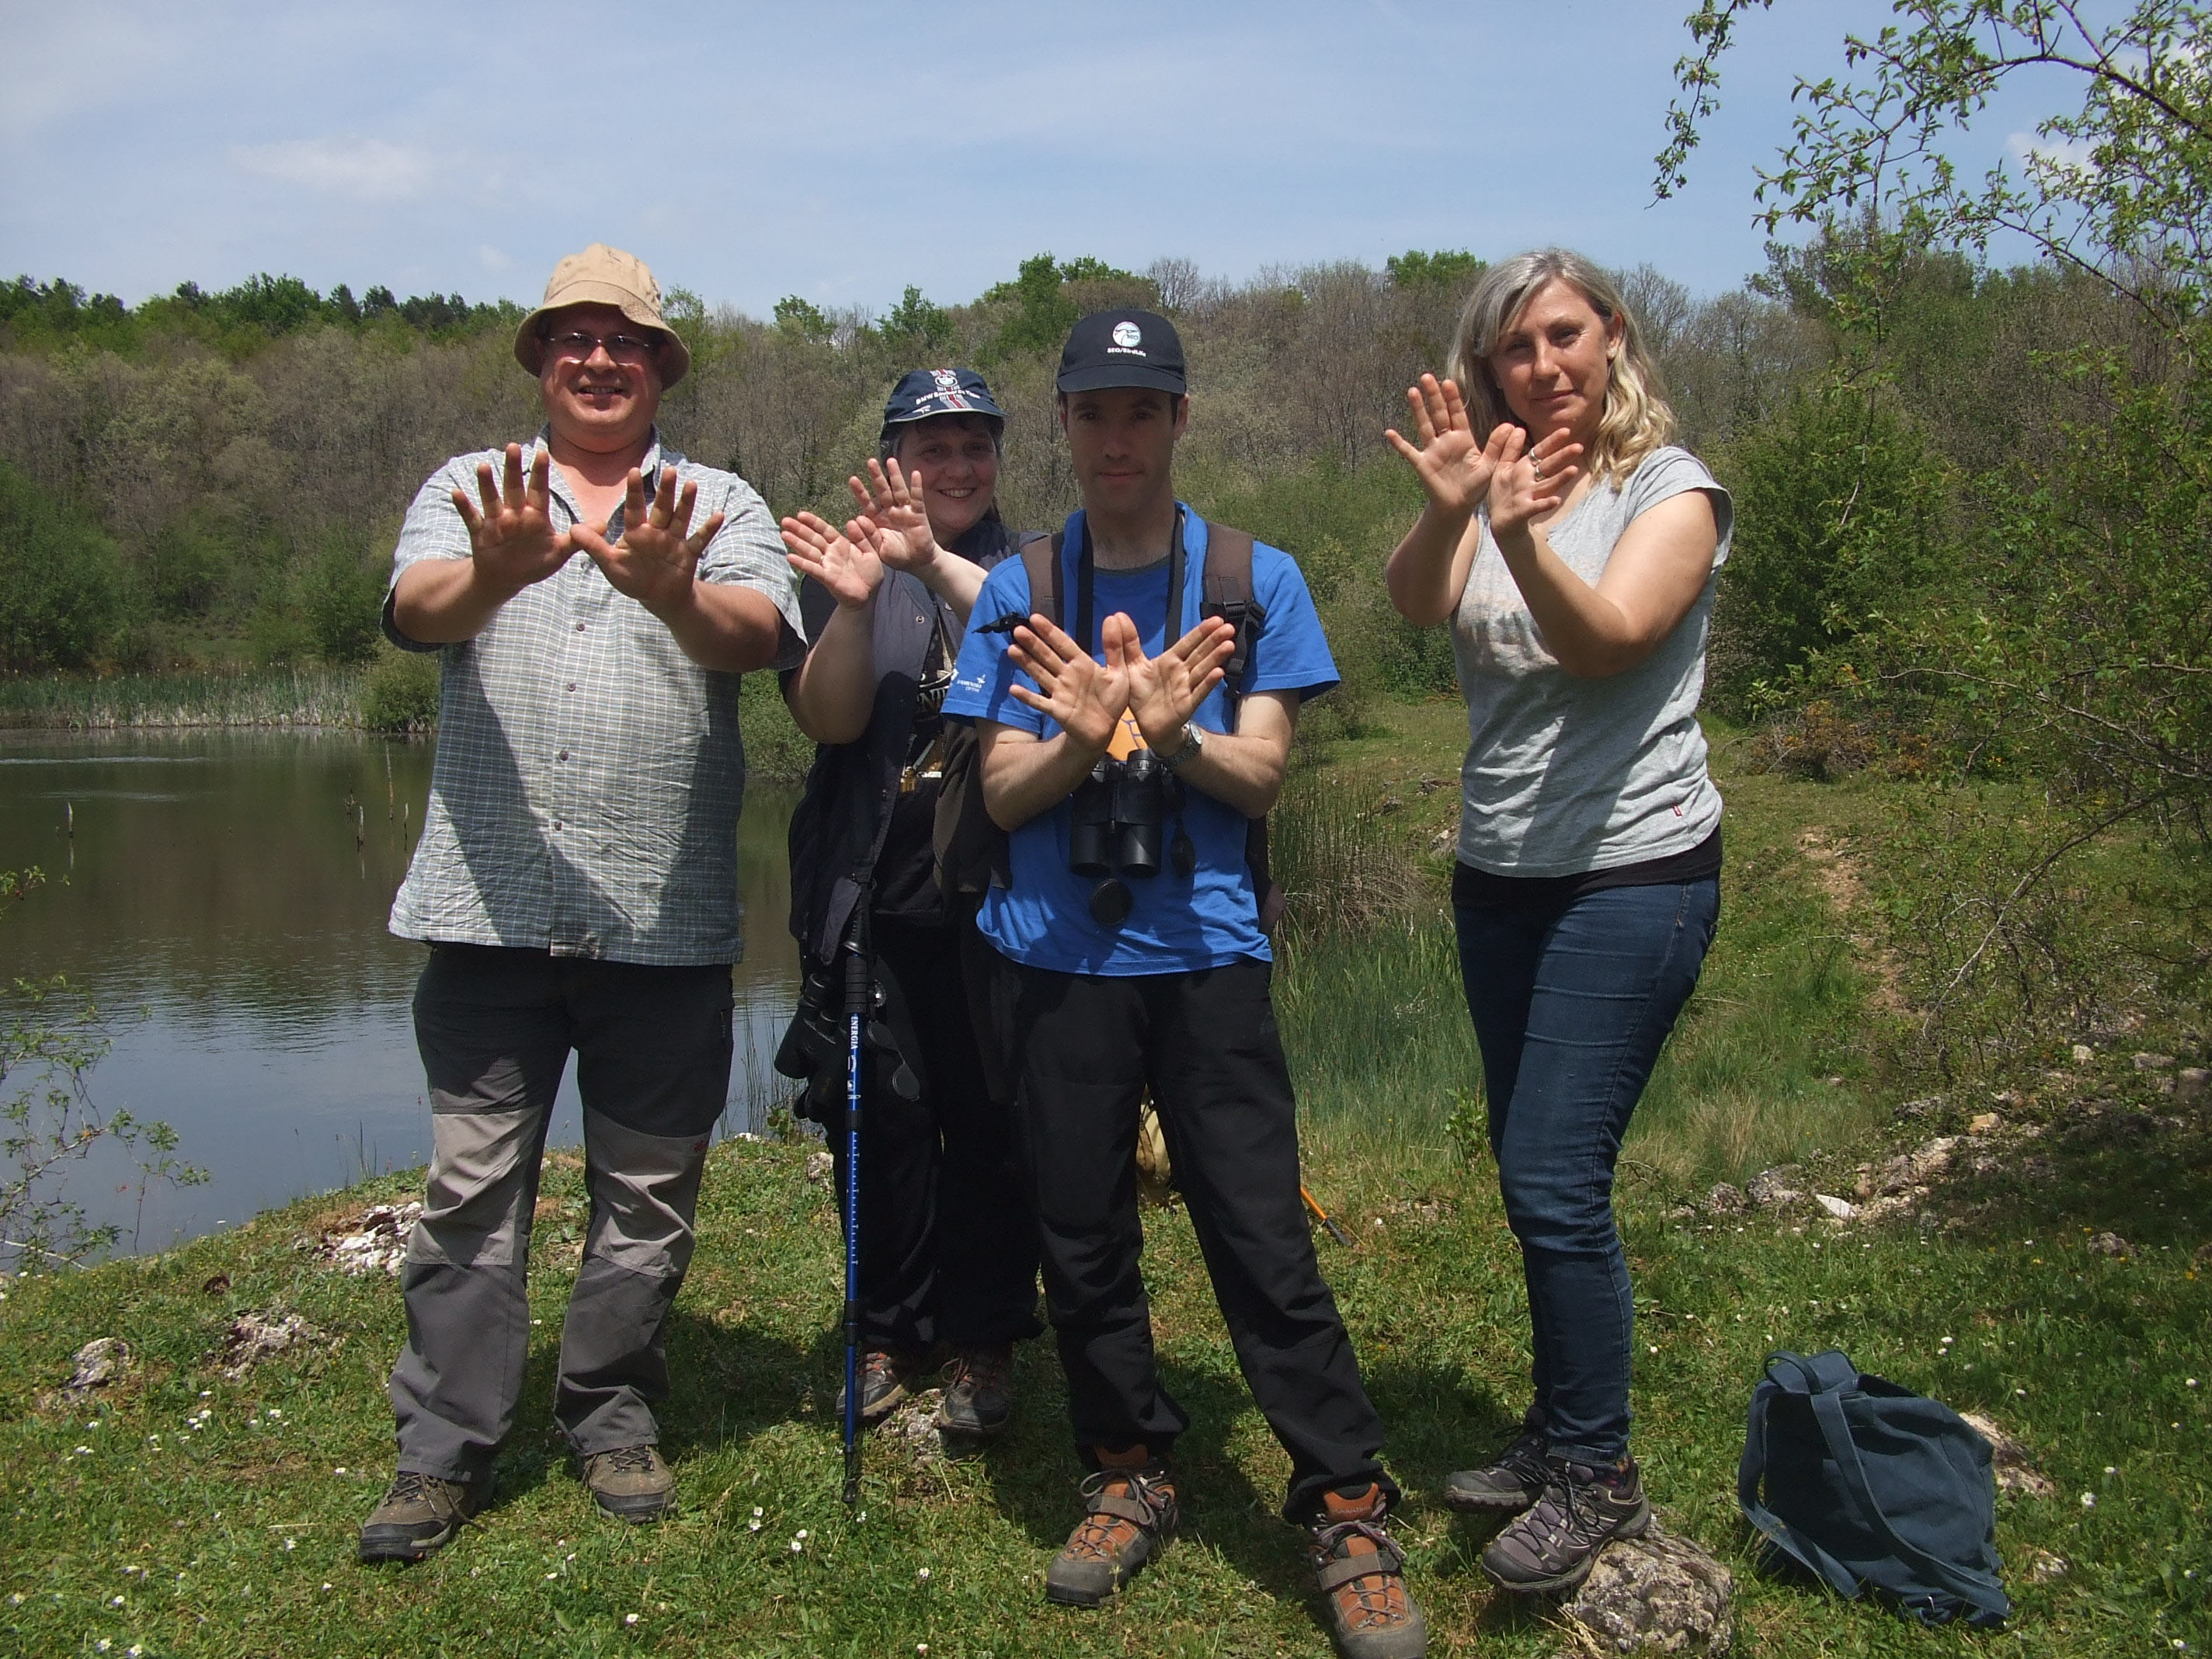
(979, 1392)
(1507, 1485)
(420, 1513)
(631, 1483)
(1552, 1547)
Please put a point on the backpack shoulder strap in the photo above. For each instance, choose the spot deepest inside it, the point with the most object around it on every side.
(1041, 559)
(1228, 594)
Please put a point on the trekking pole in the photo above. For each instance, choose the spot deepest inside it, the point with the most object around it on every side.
(856, 1013)
(1324, 1217)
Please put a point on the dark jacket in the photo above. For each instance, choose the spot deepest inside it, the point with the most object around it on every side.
(837, 831)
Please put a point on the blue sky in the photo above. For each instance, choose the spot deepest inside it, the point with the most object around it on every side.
(842, 149)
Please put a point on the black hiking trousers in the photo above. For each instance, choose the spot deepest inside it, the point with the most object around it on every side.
(1083, 1048)
(947, 1251)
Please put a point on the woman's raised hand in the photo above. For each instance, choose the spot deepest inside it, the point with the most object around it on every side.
(1454, 468)
(891, 507)
(1529, 480)
(845, 564)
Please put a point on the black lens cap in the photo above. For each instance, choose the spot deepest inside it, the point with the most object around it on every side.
(1110, 902)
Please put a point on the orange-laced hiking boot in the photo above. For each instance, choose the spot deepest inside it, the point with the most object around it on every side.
(1359, 1571)
(1130, 1513)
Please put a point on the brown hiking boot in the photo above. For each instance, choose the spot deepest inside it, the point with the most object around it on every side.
(1359, 1569)
(1130, 1504)
(420, 1513)
(979, 1391)
(886, 1376)
(631, 1483)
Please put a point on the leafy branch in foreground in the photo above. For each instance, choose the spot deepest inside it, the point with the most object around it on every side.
(49, 1039)
(2121, 187)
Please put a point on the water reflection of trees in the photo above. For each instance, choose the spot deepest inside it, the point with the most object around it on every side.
(245, 885)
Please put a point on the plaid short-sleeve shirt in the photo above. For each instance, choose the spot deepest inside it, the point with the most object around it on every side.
(585, 795)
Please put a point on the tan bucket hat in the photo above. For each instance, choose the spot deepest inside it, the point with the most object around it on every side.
(604, 275)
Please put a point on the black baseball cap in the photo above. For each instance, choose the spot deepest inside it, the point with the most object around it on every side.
(924, 392)
(1123, 348)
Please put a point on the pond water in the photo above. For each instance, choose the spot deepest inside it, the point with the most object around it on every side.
(222, 896)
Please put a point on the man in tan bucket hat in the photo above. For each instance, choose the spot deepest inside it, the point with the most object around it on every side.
(594, 597)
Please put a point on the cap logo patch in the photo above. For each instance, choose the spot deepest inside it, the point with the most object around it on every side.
(947, 379)
(1127, 336)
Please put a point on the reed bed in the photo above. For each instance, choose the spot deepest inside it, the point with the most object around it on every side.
(315, 695)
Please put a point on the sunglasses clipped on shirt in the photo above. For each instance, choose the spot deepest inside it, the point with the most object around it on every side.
(631, 349)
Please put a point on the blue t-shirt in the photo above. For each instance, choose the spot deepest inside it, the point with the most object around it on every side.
(1176, 924)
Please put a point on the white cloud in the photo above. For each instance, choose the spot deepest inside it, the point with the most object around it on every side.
(491, 258)
(2070, 154)
(369, 169)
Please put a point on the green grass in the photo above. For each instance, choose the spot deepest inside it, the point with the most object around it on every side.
(236, 1537)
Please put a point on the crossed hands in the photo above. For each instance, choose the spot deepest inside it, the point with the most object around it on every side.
(1515, 479)
(1087, 696)
(512, 535)
(891, 530)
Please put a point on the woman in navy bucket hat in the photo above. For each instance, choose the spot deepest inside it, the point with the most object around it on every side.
(948, 1260)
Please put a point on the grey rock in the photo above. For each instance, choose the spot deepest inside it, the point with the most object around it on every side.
(1772, 1187)
(2153, 1062)
(2189, 1082)
(2109, 1245)
(1841, 1208)
(253, 1337)
(2016, 1473)
(101, 1362)
(1724, 1198)
(1656, 1594)
(912, 1428)
(819, 1166)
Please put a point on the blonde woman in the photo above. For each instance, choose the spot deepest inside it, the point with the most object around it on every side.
(1574, 551)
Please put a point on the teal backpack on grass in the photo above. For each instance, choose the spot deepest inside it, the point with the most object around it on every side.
(1866, 1484)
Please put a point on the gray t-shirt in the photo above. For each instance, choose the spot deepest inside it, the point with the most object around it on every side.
(1565, 774)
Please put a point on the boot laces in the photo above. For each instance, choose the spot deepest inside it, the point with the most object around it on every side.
(627, 1459)
(982, 1368)
(1101, 1536)
(1376, 1597)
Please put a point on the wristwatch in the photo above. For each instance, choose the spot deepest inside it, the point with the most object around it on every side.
(1194, 740)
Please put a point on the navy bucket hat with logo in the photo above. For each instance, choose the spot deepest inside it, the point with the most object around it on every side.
(922, 393)
(1123, 348)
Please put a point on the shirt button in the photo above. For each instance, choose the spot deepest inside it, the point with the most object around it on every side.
(572, 685)
(563, 754)
(556, 823)
(580, 628)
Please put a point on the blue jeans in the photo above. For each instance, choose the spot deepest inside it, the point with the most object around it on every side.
(1570, 1004)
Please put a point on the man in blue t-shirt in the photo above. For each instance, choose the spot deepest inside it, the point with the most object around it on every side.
(1126, 774)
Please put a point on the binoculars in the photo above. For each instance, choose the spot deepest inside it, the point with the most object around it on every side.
(1116, 818)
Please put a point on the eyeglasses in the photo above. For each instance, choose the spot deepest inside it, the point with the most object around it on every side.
(622, 348)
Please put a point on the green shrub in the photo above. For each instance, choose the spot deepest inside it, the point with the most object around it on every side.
(63, 602)
(401, 691)
(342, 598)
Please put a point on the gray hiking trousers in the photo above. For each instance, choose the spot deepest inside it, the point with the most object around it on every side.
(495, 1027)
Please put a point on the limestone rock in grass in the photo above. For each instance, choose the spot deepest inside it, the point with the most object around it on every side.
(912, 1429)
(1723, 1198)
(101, 1362)
(2109, 1245)
(1983, 1123)
(1841, 1208)
(2153, 1062)
(2016, 1473)
(1656, 1594)
(2189, 1082)
(253, 1337)
(2043, 1567)
(1772, 1186)
(375, 1241)
(819, 1167)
